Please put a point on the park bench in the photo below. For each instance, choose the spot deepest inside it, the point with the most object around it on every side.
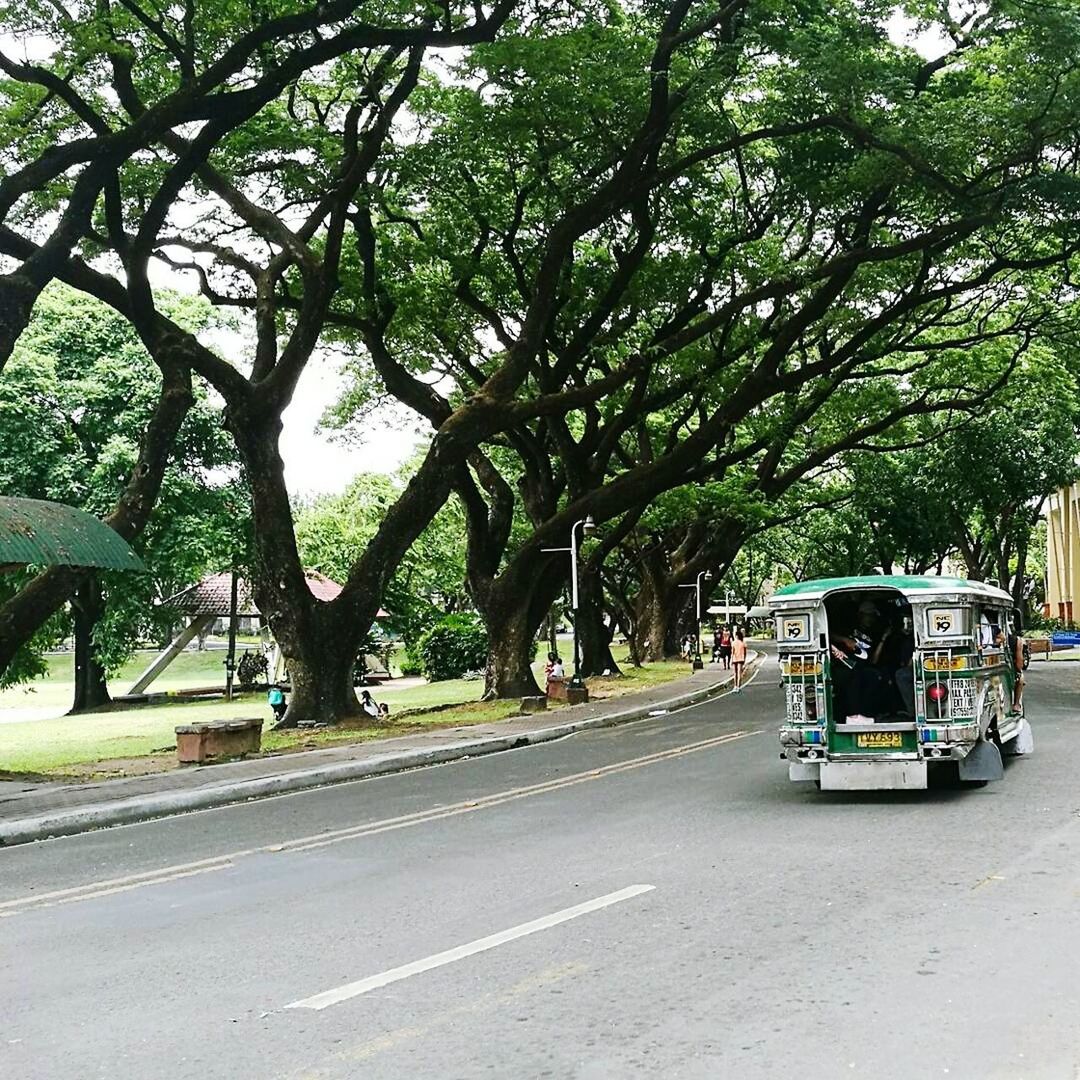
(1040, 644)
(217, 740)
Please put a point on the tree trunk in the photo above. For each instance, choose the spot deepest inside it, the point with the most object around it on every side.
(656, 617)
(594, 634)
(320, 641)
(509, 667)
(318, 645)
(88, 607)
(321, 677)
(513, 607)
(17, 296)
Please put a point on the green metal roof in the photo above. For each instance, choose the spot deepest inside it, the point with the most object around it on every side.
(905, 583)
(52, 534)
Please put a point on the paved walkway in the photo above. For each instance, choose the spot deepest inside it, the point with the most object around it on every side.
(30, 811)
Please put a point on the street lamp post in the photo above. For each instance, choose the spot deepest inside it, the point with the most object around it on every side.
(698, 663)
(586, 525)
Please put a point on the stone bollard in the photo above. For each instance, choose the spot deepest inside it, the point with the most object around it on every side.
(561, 690)
(556, 689)
(217, 740)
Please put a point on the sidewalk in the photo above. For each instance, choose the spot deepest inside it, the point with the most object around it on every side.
(31, 811)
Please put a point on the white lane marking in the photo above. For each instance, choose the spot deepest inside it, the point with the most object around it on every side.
(93, 890)
(450, 956)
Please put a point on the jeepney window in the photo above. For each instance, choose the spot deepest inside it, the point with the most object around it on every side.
(992, 628)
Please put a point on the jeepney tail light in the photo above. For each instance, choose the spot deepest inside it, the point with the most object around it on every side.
(937, 696)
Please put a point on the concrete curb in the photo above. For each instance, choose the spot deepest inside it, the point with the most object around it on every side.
(69, 822)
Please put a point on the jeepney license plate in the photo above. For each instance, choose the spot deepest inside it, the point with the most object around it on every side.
(880, 740)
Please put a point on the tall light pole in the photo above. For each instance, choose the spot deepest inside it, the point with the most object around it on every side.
(586, 524)
(707, 575)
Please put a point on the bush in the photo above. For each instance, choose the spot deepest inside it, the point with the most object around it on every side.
(454, 645)
(252, 668)
(411, 663)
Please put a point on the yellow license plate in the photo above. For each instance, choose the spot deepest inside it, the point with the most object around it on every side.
(879, 740)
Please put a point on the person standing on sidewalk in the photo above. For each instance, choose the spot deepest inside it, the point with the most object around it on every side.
(738, 657)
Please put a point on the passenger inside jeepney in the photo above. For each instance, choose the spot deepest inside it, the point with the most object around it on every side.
(873, 676)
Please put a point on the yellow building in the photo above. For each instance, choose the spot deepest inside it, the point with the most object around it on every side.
(1063, 553)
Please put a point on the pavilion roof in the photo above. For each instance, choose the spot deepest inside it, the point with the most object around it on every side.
(211, 596)
(38, 533)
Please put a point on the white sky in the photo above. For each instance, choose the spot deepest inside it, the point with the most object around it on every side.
(315, 464)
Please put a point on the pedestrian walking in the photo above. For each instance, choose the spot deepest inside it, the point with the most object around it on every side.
(725, 646)
(738, 657)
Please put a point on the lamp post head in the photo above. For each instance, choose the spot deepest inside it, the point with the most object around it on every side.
(708, 575)
(588, 524)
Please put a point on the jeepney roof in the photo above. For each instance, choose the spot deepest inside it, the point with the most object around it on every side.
(911, 585)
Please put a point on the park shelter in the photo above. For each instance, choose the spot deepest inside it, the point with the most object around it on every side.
(211, 599)
(1063, 554)
(38, 533)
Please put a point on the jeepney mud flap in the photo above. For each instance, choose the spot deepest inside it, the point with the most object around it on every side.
(983, 763)
(1024, 743)
(872, 775)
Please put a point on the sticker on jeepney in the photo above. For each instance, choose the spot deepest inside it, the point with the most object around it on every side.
(796, 704)
(794, 629)
(943, 622)
(963, 697)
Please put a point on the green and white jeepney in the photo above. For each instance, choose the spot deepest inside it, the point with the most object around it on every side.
(955, 646)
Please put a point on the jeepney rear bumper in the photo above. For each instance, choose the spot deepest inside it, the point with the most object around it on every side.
(908, 774)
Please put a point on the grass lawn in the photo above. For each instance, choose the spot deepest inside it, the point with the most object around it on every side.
(74, 745)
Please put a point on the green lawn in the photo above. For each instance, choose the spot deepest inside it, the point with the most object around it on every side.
(63, 744)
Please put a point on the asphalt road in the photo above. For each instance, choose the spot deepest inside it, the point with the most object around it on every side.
(651, 900)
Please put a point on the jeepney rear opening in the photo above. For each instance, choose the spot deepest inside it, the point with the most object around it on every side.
(851, 658)
(871, 646)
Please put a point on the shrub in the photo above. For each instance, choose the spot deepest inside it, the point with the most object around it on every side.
(455, 644)
(252, 668)
(411, 663)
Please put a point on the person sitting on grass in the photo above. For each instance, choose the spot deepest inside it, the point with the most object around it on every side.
(367, 704)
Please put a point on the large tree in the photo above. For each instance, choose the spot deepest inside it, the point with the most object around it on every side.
(288, 146)
(820, 207)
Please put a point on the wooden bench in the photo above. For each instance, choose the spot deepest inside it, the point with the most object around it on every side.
(1040, 644)
(217, 740)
